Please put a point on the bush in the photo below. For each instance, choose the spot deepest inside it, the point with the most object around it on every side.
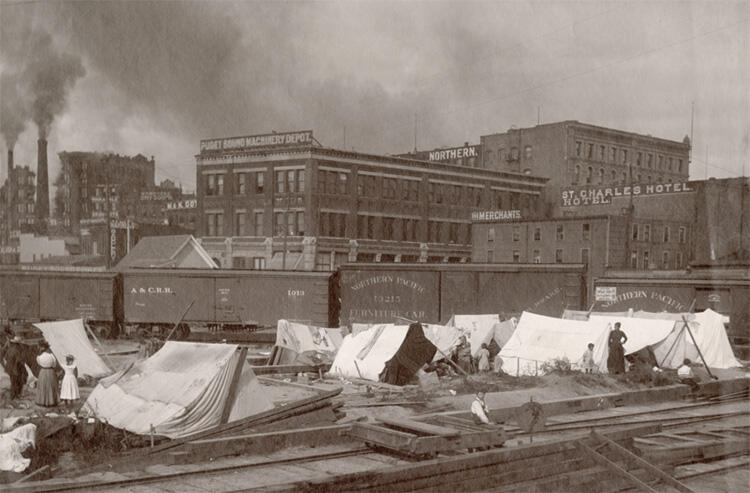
(556, 365)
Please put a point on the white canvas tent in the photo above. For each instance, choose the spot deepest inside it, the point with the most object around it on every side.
(481, 329)
(364, 354)
(182, 389)
(539, 339)
(305, 344)
(707, 327)
(69, 337)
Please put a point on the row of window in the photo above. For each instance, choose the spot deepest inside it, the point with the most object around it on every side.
(536, 256)
(667, 261)
(611, 154)
(287, 181)
(511, 155)
(613, 177)
(537, 235)
(642, 232)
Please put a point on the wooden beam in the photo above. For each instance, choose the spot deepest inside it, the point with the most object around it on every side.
(280, 369)
(233, 385)
(627, 454)
(421, 428)
(603, 461)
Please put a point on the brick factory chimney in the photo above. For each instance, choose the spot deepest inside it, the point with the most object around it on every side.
(42, 187)
(9, 196)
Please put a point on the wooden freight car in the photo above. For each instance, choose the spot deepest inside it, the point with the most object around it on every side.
(231, 299)
(432, 293)
(725, 290)
(41, 295)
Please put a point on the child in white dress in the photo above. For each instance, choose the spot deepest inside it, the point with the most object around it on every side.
(69, 389)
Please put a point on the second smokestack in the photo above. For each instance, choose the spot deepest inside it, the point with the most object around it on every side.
(42, 187)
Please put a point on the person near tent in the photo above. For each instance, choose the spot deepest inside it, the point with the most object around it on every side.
(616, 359)
(588, 359)
(461, 355)
(483, 358)
(13, 362)
(497, 364)
(69, 387)
(46, 389)
(479, 412)
(686, 375)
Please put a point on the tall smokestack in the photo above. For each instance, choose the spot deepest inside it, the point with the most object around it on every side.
(42, 187)
(9, 196)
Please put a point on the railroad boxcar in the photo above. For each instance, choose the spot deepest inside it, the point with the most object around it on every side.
(41, 295)
(227, 299)
(724, 290)
(432, 293)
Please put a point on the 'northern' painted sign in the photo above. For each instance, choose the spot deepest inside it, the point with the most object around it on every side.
(454, 153)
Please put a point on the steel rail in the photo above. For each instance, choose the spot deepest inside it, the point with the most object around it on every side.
(155, 478)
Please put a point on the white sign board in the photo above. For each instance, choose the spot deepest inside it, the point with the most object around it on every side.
(605, 293)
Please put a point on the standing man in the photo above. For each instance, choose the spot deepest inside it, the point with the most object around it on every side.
(13, 363)
(616, 359)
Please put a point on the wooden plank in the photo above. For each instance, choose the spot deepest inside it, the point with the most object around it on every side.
(282, 369)
(623, 452)
(233, 384)
(398, 477)
(420, 427)
(603, 461)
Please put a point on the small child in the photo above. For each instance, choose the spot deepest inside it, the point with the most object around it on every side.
(69, 389)
(686, 375)
(588, 359)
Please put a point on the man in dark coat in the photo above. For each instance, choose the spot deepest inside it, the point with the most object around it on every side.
(14, 364)
(616, 359)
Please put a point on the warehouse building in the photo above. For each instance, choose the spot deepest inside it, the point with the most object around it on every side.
(282, 201)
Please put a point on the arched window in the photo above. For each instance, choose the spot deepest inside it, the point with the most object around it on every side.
(614, 176)
(601, 176)
(577, 176)
(589, 174)
(624, 177)
(527, 152)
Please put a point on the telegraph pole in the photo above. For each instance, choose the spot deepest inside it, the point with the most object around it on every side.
(108, 260)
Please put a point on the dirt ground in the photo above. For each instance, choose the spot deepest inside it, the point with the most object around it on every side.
(78, 444)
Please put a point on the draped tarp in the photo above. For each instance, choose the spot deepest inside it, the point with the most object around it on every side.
(415, 351)
(306, 344)
(364, 354)
(180, 390)
(479, 329)
(69, 337)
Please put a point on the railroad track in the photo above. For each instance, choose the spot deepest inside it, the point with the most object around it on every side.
(289, 473)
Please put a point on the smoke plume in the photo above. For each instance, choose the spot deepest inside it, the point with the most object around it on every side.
(37, 82)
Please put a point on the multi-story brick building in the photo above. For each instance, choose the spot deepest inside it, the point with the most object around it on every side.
(22, 202)
(572, 154)
(278, 201)
(82, 186)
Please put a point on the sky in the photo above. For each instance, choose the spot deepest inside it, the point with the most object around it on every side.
(157, 77)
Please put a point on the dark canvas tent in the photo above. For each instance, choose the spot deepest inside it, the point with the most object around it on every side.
(414, 352)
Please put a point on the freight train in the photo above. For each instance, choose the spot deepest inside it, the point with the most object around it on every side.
(148, 299)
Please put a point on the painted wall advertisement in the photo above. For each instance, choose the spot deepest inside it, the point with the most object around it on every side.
(603, 195)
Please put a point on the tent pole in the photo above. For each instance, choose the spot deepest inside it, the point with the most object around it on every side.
(682, 329)
(104, 353)
(447, 358)
(179, 321)
(699, 351)
(233, 385)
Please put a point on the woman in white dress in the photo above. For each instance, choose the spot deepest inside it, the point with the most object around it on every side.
(69, 388)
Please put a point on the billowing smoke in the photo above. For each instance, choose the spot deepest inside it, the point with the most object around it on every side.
(14, 112)
(36, 81)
